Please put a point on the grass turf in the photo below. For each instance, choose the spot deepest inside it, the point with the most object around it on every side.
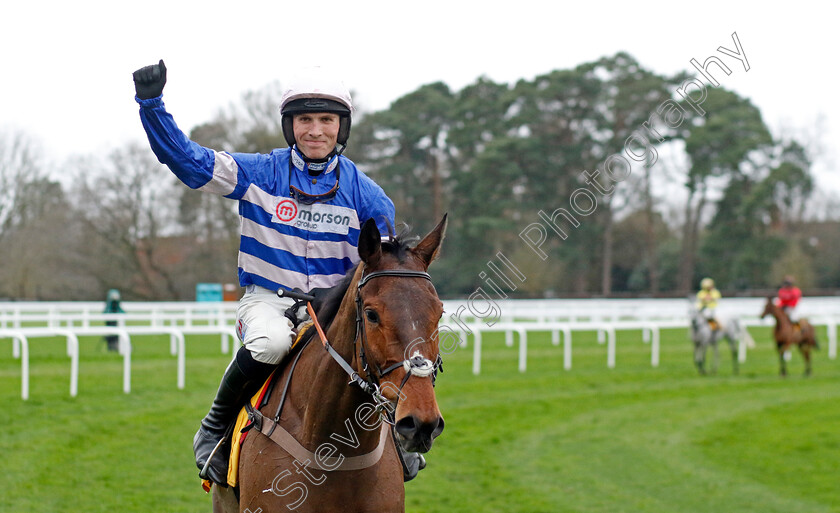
(633, 438)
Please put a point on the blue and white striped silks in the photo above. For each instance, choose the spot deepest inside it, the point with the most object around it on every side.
(283, 243)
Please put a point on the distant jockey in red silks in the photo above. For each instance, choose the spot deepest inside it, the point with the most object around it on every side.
(789, 296)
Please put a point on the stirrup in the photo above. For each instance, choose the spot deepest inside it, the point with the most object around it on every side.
(203, 472)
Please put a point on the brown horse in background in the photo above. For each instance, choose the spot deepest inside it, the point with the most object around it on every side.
(787, 335)
(382, 320)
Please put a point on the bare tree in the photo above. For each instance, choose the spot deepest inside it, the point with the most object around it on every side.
(20, 164)
(36, 261)
(128, 203)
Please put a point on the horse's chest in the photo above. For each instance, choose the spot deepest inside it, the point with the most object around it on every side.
(274, 481)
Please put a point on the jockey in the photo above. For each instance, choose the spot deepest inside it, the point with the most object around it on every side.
(788, 297)
(707, 300)
(300, 209)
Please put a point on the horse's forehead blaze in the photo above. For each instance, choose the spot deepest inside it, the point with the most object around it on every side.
(414, 311)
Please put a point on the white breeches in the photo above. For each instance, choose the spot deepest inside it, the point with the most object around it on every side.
(261, 325)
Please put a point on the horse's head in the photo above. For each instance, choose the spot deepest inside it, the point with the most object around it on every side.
(697, 319)
(695, 314)
(399, 311)
(700, 329)
(768, 307)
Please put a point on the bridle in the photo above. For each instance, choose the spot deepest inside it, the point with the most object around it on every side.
(415, 365)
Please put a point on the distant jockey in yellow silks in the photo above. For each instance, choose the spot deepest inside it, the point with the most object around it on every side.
(707, 301)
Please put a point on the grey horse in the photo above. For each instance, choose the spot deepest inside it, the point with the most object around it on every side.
(704, 336)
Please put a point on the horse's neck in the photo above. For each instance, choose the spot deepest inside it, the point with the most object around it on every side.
(727, 325)
(782, 321)
(325, 404)
(704, 330)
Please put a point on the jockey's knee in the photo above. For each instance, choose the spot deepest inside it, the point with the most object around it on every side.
(265, 331)
(274, 342)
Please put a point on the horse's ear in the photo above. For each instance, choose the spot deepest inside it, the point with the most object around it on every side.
(370, 243)
(428, 248)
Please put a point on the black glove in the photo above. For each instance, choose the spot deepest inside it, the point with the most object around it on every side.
(320, 297)
(149, 81)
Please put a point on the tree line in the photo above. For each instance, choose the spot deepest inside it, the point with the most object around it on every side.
(701, 194)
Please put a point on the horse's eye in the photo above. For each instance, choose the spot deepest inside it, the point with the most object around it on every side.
(372, 316)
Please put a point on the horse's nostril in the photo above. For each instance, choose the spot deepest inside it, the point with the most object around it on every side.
(411, 427)
(439, 428)
(407, 426)
(430, 430)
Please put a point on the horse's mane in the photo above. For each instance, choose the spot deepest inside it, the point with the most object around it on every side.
(397, 245)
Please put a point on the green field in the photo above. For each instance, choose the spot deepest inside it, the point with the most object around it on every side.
(592, 439)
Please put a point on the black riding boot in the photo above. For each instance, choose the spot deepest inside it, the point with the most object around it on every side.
(242, 379)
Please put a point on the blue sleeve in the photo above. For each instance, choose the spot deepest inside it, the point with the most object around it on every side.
(376, 204)
(191, 163)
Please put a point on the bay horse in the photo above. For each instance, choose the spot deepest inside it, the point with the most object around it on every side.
(381, 325)
(787, 335)
(704, 337)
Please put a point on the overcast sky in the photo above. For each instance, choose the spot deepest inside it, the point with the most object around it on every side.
(67, 66)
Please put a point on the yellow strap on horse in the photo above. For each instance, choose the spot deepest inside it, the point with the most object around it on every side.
(235, 446)
(301, 332)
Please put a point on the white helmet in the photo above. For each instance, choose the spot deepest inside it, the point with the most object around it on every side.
(316, 82)
(316, 90)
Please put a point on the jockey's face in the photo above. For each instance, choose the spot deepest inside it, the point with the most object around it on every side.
(316, 133)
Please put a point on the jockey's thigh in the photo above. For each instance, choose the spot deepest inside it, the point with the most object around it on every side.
(262, 327)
